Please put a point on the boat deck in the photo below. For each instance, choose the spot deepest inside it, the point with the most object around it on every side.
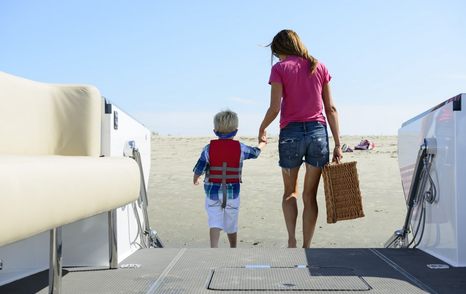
(171, 270)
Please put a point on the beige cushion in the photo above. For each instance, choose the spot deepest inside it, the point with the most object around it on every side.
(46, 119)
(38, 193)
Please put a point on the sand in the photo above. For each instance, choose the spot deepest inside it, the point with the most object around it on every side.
(176, 206)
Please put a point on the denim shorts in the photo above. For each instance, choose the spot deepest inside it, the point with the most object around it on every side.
(303, 141)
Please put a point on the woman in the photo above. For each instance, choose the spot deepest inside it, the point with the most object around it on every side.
(300, 92)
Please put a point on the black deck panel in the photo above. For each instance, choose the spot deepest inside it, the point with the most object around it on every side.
(451, 280)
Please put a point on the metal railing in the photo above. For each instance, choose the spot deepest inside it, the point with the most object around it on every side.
(55, 270)
(417, 196)
(148, 236)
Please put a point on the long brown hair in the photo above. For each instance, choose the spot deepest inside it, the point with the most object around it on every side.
(287, 42)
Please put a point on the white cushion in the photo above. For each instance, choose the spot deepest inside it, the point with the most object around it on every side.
(38, 193)
(47, 119)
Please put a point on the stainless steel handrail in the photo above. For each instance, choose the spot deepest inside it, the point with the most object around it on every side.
(149, 237)
(143, 191)
(421, 175)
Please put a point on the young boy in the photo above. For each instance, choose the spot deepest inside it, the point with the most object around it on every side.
(221, 161)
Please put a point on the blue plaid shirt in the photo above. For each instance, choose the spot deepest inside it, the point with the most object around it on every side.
(213, 190)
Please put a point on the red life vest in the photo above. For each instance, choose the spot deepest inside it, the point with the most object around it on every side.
(224, 161)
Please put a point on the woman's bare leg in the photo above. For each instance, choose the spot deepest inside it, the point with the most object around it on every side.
(289, 205)
(214, 237)
(311, 183)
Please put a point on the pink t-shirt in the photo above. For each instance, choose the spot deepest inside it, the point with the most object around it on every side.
(302, 92)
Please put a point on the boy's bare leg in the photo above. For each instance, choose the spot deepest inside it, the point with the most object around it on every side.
(232, 239)
(214, 237)
(289, 205)
(310, 211)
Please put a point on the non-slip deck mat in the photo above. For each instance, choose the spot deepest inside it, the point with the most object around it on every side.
(172, 270)
(192, 273)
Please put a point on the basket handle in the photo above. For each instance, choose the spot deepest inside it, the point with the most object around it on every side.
(334, 162)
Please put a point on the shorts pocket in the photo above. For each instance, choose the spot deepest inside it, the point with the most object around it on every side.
(213, 203)
(233, 204)
(317, 152)
(288, 148)
(318, 147)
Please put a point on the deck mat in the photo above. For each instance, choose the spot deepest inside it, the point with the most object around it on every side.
(257, 270)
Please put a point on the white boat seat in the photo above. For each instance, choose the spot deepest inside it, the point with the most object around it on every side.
(38, 193)
(49, 119)
(51, 172)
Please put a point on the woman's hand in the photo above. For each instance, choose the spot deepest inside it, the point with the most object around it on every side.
(337, 154)
(262, 137)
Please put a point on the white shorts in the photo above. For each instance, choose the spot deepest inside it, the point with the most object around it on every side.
(225, 219)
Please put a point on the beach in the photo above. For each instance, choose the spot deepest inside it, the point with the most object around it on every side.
(176, 206)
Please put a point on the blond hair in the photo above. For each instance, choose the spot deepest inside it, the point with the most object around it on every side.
(287, 42)
(226, 121)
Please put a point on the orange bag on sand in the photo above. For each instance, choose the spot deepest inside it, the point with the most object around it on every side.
(342, 194)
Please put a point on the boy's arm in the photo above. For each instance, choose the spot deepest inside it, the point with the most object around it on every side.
(200, 166)
(251, 152)
(196, 179)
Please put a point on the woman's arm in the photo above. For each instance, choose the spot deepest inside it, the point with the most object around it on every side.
(332, 118)
(274, 109)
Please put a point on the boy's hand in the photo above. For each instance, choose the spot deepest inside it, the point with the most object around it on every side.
(262, 137)
(196, 179)
(262, 145)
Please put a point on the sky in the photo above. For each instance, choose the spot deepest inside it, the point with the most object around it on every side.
(173, 64)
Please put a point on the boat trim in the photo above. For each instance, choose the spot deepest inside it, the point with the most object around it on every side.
(456, 107)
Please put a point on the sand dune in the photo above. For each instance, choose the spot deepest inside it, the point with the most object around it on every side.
(176, 206)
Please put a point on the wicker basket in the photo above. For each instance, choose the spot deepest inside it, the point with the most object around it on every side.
(342, 194)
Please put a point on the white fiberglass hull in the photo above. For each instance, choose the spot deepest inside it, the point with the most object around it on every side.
(445, 221)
